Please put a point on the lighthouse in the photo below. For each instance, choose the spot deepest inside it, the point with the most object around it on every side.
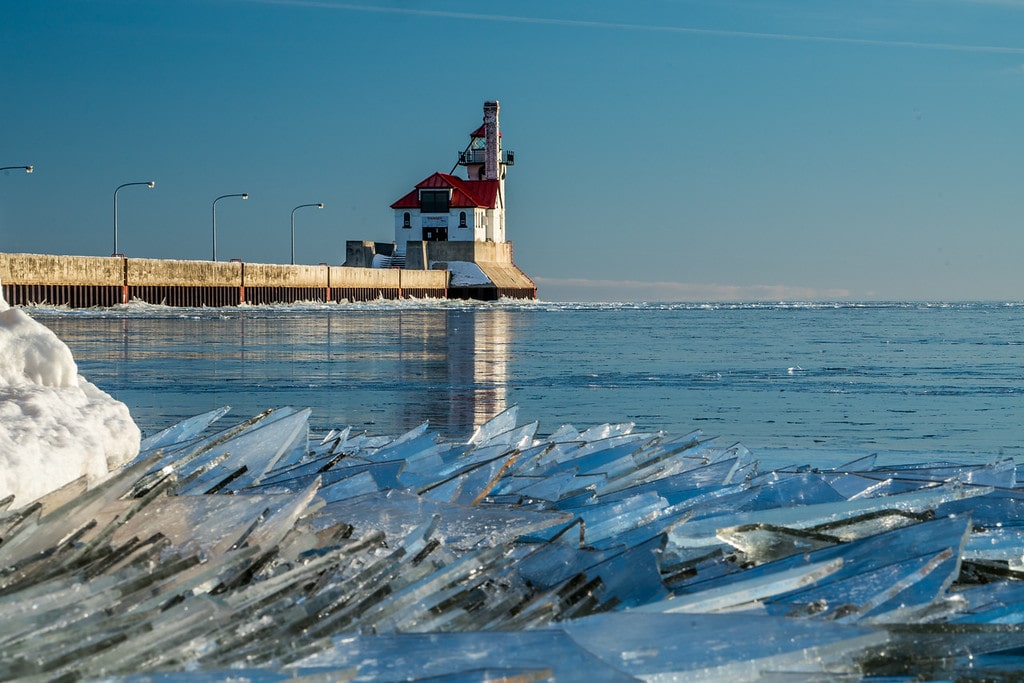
(455, 222)
(445, 207)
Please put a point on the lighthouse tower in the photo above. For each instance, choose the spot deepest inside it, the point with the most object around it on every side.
(482, 158)
(447, 208)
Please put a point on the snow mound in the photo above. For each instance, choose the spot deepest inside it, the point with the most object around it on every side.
(55, 426)
(464, 273)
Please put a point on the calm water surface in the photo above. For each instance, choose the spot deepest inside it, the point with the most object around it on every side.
(811, 378)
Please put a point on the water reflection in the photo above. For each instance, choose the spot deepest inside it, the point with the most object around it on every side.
(449, 367)
(878, 378)
(477, 352)
(382, 370)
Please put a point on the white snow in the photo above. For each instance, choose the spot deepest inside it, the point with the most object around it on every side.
(464, 273)
(55, 426)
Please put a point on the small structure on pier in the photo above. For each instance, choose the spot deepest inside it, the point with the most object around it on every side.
(454, 223)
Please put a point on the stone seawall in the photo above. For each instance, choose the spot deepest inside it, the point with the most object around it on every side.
(85, 281)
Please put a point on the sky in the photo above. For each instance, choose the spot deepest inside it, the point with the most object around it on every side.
(666, 150)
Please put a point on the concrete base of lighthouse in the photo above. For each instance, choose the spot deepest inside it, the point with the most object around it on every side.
(494, 259)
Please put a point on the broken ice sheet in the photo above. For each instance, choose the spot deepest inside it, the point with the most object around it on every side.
(183, 431)
(762, 543)
(780, 490)
(748, 591)
(1000, 508)
(405, 657)
(499, 538)
(501, 423)
(716, 647)
(914, 583)
(255, 452)
(612, 519)
(1002, 543)
(247, 457)
(992, 603)
(698, 532)
(915, 563)
(677, 486)
(396, 513)
(1001, 473)
(553, 487)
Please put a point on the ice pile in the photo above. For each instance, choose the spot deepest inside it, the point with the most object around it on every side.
(598, 555)
(55, 426)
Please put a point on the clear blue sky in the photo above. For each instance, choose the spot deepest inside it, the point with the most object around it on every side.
(665, 149)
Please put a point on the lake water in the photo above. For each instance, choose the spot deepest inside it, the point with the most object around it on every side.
(806, 383)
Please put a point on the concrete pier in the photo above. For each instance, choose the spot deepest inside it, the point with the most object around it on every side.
(84, 281)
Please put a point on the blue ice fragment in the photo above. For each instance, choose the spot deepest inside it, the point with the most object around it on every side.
(186, 430)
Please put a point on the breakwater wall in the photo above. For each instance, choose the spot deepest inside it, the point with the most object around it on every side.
(86, 281)
(494, 259)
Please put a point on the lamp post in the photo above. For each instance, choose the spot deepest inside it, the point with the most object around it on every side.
(318, 205)
(149, 183)
(243, 195)
(26, 169)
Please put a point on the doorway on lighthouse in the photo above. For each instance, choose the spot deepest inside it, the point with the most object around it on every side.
(435, 234)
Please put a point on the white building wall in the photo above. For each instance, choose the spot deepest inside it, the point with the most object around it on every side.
(495, 219)
(457, 234)
(402, 234)
(500, 234)
(480, 225)
(498, 229)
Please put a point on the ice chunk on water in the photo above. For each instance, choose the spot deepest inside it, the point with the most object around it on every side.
(499, 424)
(550, 652)
(250, 455)
(184, 431)
(396, 513)
(1004, 544)
(704, 531)
(744, 589)
(636, 643)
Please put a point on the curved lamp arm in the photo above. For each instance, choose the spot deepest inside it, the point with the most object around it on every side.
(243, 195)
(318, 205)
(148, 183)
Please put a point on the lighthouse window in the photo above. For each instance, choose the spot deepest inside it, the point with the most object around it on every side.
(434, 201)
(462, 219)
(406, 220)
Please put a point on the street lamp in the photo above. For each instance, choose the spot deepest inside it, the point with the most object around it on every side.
(26, 169)
(149, 183)
(243, 195)
(318, 205)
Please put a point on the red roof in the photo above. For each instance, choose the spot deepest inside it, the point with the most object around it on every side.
(481, 132)
(466, 194)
